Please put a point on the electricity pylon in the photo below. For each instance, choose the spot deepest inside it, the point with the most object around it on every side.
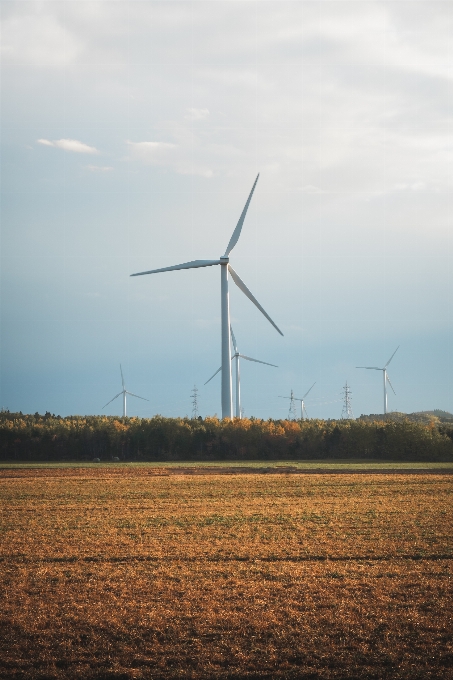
(194, 395)
(347, 413)
(292, 406)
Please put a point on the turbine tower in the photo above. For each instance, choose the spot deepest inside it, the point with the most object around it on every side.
(225, 269)
(302, 403)
(386, 378)
(236, 356)
(124, 392)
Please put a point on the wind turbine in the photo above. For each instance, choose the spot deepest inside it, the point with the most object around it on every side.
(225, 268)
(236, 356)
(124, 392)
(302, 403)
(386, 378)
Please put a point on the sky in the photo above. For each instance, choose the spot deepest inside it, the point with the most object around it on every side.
(131, 135)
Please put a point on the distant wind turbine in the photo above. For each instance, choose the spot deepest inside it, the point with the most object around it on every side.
(124, 392)
(236, 356)
(292, 398)
(225, 268)
(386, 378)
(302, 403)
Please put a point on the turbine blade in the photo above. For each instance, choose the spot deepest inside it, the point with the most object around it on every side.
(257, 361)
(212, 376)
(388, 380)
(391, 357)
(233, 339)
(109, 402)
(241, 285)
(122, 379)
(308, 391)
(186, 265)
(237, 232)
(136, 395)
(371, 368)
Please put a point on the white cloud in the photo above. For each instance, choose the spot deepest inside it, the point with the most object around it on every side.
(181, 158)
(151, 152)
(33, 36)
(69, 145)
(415, 186)
(197, 114)
(193, 169)
(311, 189)
(99, 168)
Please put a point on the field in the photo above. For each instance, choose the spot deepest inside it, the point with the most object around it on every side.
(148, 573)
(277, 466)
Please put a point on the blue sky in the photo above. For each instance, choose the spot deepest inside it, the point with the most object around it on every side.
(131, 134)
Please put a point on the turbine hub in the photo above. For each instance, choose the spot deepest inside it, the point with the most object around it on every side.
(224, 259)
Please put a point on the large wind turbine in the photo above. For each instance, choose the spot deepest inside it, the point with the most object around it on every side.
(225, 268)
(124, 392)
(236, 356)
(386, 378)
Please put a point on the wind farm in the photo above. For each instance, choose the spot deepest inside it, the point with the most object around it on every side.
(225, 270)
(178, 177)
(236, 357)
(229, 352)
(344, 255)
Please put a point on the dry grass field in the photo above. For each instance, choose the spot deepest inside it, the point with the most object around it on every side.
(109, 575)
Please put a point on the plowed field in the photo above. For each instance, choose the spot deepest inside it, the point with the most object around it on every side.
(225, 576)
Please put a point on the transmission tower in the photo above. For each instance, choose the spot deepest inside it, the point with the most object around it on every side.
(292, 406)
(194, 395)
(347, 413)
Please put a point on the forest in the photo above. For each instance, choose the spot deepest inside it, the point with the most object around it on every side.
(84, 438)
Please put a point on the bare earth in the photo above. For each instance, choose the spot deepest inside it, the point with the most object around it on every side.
(122, 573)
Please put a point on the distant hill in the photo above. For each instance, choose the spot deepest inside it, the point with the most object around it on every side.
(439, 413)
(437, 416)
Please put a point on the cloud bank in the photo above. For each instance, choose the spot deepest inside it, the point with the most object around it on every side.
(69, 145)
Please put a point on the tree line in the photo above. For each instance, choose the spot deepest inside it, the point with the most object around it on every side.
(54, 438)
